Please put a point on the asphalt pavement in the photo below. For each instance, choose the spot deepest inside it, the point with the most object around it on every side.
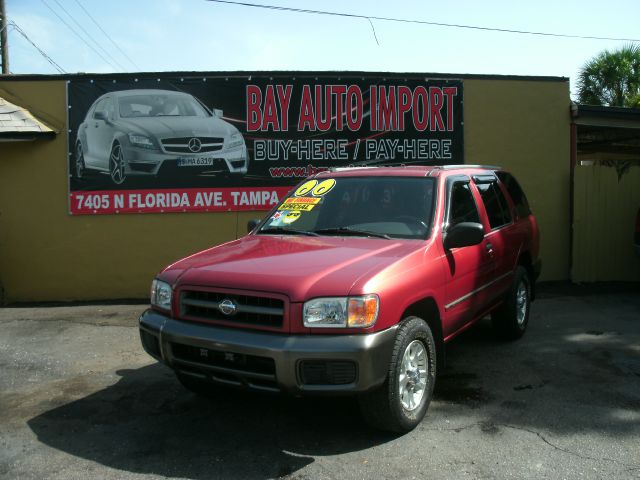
(80, 399)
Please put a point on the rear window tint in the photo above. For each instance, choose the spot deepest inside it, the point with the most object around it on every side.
(515, 192)
(495, 204)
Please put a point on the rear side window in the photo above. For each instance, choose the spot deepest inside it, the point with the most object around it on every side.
(515, 192)
(495, 203)
(462, 208)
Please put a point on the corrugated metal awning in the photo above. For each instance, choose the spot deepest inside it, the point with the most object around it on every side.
(18, 124)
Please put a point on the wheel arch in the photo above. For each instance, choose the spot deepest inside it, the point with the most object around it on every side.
(427, 309)
(117, 138)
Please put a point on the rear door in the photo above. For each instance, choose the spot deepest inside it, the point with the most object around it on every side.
(501, 242)
(468, 269)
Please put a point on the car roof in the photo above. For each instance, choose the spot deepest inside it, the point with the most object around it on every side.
(141, 91)
(408, 171)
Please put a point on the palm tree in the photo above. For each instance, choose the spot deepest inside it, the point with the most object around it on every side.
(612, 78)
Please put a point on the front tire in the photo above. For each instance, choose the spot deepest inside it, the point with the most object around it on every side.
(116, 165)
(512, 317)
(401, 402)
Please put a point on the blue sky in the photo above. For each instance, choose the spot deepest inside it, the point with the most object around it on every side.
(171, 35)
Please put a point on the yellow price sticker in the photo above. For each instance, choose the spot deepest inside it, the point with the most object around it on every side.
(316, 189)
(304, 204)
(291, 217)
(323, 187)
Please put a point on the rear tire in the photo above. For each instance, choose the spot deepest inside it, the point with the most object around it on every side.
(512, 317)
(401, 402)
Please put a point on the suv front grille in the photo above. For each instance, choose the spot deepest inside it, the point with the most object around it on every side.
(229, 368)
(251, 310)
(181, 144)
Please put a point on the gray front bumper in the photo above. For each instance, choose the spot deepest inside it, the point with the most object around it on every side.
(370, 352)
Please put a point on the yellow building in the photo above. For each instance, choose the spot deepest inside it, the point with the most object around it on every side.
(46, 254)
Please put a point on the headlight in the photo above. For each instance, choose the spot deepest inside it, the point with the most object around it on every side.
(235, 140)
(140, 141)
(337, 312)
(161, 293)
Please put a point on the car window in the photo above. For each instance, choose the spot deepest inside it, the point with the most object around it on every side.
(462, 206)
(515, 192)
(160, 105)
(495, 204)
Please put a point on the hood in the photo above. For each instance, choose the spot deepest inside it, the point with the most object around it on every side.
(163, 127)
(299, 267)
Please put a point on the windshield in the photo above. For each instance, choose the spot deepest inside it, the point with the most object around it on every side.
(387, 207)
(160, 105)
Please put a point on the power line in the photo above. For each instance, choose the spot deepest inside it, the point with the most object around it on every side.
(107, 35)
(17, 28)
(89, 35)
(421, 22)
(78, 35)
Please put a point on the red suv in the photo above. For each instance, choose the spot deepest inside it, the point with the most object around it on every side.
(354, 283)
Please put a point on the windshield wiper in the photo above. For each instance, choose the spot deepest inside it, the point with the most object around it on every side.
(288, 231)
(351, 232)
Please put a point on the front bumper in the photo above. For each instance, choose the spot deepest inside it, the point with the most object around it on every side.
(142, 162)
(267, 361)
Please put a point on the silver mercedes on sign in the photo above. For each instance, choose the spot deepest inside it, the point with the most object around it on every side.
(146, 132)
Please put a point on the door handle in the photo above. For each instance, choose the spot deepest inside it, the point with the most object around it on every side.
(488, 246)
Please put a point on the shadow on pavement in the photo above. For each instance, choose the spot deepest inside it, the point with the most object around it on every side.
(148, 423)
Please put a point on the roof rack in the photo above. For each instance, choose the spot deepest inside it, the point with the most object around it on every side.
(435, 167)
(451, 167)
(354, 167)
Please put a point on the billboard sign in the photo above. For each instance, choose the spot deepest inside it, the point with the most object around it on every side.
(239, 142)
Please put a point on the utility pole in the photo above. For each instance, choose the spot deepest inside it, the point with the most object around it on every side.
(4, 45)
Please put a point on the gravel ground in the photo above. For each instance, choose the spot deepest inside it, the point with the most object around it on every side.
(80, 399)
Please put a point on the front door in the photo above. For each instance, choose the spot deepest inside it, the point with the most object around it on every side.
(469, 269)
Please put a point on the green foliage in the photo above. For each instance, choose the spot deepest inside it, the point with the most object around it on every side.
(612, 78)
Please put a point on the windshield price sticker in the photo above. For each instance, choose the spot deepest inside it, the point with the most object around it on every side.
(291, 217)
(314, 188)
(304, 204)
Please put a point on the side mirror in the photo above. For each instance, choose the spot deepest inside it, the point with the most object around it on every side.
(217, 112)
(251, 224)
(463, 234)
(101, 116)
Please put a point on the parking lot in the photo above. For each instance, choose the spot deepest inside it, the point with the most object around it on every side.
(80, 399)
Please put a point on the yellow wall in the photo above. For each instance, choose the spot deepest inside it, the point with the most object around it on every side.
(46, 254)
(605, 211)
(524, 126)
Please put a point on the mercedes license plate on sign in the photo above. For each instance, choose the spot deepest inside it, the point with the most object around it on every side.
(195, 162)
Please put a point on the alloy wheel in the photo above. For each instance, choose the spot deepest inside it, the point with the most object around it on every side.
(522, 302)
(116, 165)
(413, 375)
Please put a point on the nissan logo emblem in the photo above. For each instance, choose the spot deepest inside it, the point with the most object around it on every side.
(194, 145)
(228, 307)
